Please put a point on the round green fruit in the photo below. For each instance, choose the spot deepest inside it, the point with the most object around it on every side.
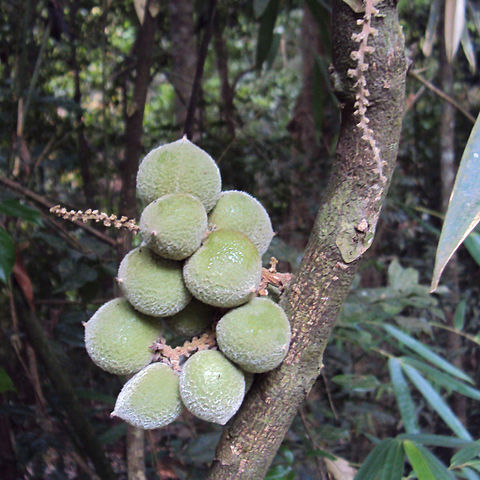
(151, 398)
(117, 338)
(174, 225)
(242, 212)
(255, 336)
(225, 271)
(193, 320)
(211, 387)
(181, 167)
(153, 285)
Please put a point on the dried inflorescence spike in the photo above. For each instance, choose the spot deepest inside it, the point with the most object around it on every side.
(89, 214)
(270, 276)
(358, 73)
(172, 356)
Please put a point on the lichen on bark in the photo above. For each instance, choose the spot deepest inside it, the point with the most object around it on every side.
(350, 211)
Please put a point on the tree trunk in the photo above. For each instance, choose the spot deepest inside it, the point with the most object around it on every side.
(184, 55)
(134, 130)
(342, 232)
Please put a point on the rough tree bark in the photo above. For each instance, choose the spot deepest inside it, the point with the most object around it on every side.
(343, 230)
(134, 130)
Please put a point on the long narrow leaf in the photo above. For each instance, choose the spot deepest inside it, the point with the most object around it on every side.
(265, 32)
(470, 474)
(459, 317)
(426, 353)
(443, 379)
(404, 399)
(472, 244)
(463, 211)
(394, 460)
(373, 463)
(453, 28)
(440, 471)
(468, 49)
(466, 454)
(436, 402)
(435, 440)
(417, 461)
(431, 31)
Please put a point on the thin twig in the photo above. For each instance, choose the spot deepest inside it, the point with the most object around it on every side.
(441, 94)
(38, 199)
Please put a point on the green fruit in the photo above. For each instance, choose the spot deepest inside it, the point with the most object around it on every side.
(211, 387)
(118, 338)
(240, 211)
(174, 225)
(225, 271)
(255, 336)
(193, 320)
(181, 167)
(152, 285)
(150, 399)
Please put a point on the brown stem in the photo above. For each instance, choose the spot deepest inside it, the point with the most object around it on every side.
(353, 201)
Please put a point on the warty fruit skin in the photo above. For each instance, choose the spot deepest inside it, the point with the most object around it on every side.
(226, 270)
(182, 167)
(240, 211)
(117, 337)
(174, 225)
(211, 387)
(193, 320)
(151, 398)
(153, 285)
(255, 336)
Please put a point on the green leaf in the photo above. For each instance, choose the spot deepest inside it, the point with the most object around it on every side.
(463, 211)
(14, 208)
(446, 381)
(6, 383)
(470, 474)
(374, 461)
(7, 255)
(280, 472)
(468, 48)
(394, 460)
(426, 353)
(436, 402)
(435, 440)
(265, 33)
(472, 244)
(417, 460)
(404, 399)
(459, 317)
(466, 454)
(401, 279)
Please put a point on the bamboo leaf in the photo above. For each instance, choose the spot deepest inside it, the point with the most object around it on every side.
(440, 471)
(394, 460)
(446, 381)
(453, 28)
(404, 399)
(435, 440)
(425, 352)
(464, 208)
(468, 48)
(431, 31)
(466, 454)
(470, 474)
(374, 461)
(459, 316)
(472, 244)
(417, 461)
(436, 402)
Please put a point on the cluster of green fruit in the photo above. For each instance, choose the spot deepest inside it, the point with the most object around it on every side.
(201, 252)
